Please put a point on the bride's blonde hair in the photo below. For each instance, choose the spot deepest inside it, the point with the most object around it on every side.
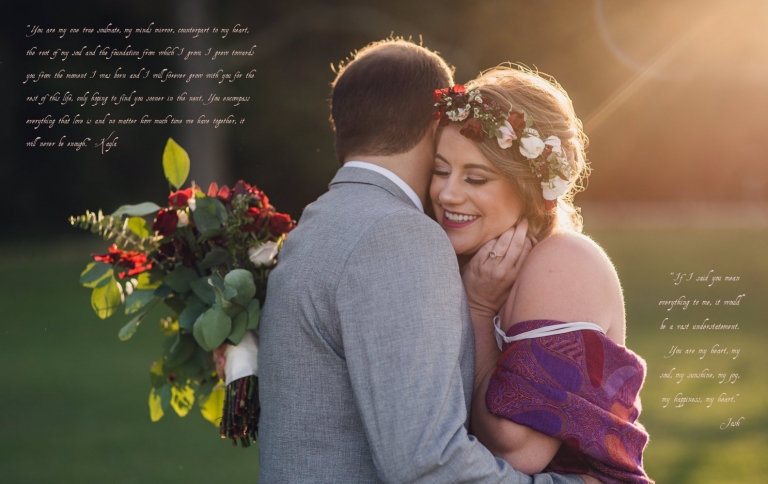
(552, 111)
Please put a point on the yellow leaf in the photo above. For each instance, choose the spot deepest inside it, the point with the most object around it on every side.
(155, 406)
(138, 226)
(175, 163)
(106, 299)
(182, 399)
(213, 407)
(144, 283)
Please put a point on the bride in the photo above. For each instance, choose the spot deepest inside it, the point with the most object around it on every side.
(563, 395)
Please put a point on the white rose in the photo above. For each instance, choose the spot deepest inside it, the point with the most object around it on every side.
(555, 188)
(531, 145)
(183, 218)
(264, 254)
(554, 143)
(507, 136)
(192, 203)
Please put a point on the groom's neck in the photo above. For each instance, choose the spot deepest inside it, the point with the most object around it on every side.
(413, 167)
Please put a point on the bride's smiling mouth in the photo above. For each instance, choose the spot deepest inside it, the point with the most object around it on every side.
(457, 220)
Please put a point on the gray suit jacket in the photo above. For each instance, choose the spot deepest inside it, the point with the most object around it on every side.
(366, 349)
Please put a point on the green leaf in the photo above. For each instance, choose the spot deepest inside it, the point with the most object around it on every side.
(239, 323)
(156, 374)
(213, 406)
(175, 303)
(189, 315)
(105, 299)
(175, 163)
(180, 278)
(131, 326)
(203, 290)
(96, 274)
(139, 209)
(215, 257)
(210, 233)
(178, 349)
(215, 326)
(254, 314)
(138, 226)
(209, 213)
(139, 298)
(242, 281)
(233, 309)
(197, 332)
(163, 291)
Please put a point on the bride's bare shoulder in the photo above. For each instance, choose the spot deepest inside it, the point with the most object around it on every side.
(569, 277)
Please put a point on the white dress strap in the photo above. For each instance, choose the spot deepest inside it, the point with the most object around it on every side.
(501, 336)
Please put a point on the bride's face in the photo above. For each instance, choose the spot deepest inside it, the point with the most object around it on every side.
(472, 200)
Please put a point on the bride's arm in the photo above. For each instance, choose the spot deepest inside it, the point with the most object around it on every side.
(566, 277)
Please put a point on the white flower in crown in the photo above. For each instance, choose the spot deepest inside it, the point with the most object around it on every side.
(506, 135)
(554, 188)
(531, 145)
(554, 143)
(459, 114)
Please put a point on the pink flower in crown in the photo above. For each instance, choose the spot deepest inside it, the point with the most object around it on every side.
(507, 135)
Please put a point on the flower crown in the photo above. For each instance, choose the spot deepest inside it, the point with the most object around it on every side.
(546, 158)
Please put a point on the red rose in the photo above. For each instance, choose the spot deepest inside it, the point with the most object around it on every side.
(459, 89)
(280, 223)
(253, 213)
(165, 222)
(472, 129)
(517, 120)
(179, 198)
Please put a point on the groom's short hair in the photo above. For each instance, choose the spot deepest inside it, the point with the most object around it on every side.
(382, 102)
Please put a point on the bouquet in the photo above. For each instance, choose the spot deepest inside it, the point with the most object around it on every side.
(206, 255)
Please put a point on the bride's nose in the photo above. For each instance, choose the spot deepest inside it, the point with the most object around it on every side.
(451, 194)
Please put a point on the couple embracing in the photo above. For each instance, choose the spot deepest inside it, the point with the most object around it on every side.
(481, 341)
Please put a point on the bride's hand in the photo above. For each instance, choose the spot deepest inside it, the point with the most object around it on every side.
(220, 360)
(489, 275)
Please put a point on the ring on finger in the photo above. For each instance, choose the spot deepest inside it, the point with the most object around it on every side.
(494, 254)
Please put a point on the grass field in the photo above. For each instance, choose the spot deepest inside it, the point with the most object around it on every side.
(74, 398)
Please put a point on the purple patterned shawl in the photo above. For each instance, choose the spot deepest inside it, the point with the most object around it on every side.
(581, 388)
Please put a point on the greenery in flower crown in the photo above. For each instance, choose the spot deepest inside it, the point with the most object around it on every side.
(207, 256)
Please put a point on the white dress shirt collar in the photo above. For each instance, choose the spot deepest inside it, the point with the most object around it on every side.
(394, 178)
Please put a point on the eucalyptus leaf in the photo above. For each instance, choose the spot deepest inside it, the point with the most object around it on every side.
(239, 324)
(215, 257)
(221, 299)
(175, 163)
(96, 274)
(138, 299)
(106, 299)
(175, 303)
(138, 226)
(234, 309)
(203, 290)
(242, 281)
(178, 349)
(139, 209)
(216, 326)
(209, 213)
(254, 314)
(180, 278)
(191, 312)
(164, 290)
(197, 332)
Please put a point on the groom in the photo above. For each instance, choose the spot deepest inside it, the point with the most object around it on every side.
(367, 353)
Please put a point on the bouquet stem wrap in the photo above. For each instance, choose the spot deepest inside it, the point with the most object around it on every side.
(240, 418)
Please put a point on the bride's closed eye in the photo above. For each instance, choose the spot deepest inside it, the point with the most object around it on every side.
(469, 179)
